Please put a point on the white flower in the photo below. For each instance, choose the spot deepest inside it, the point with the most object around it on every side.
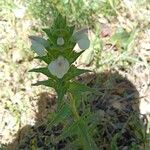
(37, 45)
(82, 39)
(59, 67)
(60, 41)
(19, 12)
(84, 42)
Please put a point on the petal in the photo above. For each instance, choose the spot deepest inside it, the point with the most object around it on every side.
(52, 68)
(59, 67)
(38, 48)
(84, 43)
(78, 35)
(39, 40)
(82, 39)
(62, 70)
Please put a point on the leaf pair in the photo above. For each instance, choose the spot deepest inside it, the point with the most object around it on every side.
(72, 73)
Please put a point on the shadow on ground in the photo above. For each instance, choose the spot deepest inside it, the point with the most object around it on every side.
(118, 120)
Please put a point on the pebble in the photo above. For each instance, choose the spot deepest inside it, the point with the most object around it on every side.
(145, 46)
(17, 56)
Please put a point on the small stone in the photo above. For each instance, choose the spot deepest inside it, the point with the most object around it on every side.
(144, 107)
(145, 46)
(19, 12)
(17, 56)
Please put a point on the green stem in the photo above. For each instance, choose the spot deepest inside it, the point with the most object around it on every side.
(73, 106)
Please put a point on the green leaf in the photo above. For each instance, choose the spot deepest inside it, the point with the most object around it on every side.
(43, 70)
(49, 83)
(113, 143)
(60, 22)
(46, 58)
(120, 38)
(69, 130)
(88, 141)
(73, 72)
(50, 35)
(71, 30)
(60, 115)
(47, 31)
(76, 88)
(73, 56)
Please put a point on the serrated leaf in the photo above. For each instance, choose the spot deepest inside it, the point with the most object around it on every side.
(43, 70)
(46, 59)
(50, 35)
(76, 87)
(73, 56)
(73, 72)
(60, 115)
(71, 29)
(47, 31)
(88, 141)
(49, 83)
(60, 21)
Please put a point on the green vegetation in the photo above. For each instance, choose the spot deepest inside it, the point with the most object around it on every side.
(119, 35)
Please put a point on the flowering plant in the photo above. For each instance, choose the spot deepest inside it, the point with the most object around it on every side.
(57, 51)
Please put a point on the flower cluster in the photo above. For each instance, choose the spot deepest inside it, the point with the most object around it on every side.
(60, 64)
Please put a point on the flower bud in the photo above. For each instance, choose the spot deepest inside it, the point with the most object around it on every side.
(60, 41)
